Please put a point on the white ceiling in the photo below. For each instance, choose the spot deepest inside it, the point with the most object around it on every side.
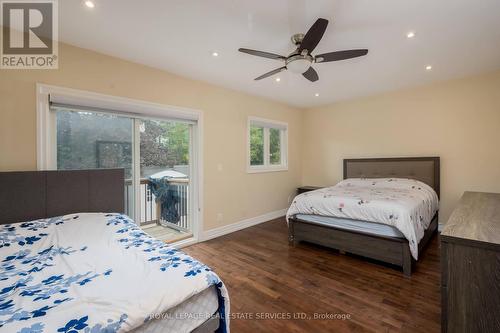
(457, 37)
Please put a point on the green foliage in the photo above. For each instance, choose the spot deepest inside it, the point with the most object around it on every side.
(164, 144)
(256, 145)
(275, 146)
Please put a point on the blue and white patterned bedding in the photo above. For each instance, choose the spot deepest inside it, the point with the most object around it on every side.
(93, 272)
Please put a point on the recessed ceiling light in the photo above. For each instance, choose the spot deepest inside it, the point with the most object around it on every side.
(410, 34)
(278, 79)
(215, 54)
(316, 94)
(89, 4)
(428, 67)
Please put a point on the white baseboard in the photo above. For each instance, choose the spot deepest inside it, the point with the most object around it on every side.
(227, 229)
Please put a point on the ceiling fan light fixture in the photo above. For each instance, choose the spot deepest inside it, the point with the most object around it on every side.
(299, 65)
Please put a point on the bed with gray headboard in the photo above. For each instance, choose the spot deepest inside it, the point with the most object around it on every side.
(32, 195)
(393, 250)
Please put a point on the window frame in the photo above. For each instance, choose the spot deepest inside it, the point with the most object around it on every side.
(268, 124)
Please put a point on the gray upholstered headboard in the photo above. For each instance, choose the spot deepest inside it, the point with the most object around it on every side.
(29, 195)
(425, 169)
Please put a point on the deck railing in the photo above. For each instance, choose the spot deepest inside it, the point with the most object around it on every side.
(151, 210)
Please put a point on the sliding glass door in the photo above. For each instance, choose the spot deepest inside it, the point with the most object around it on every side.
(156, 155)
(165, 173)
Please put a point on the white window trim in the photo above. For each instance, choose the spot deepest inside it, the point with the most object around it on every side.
(267, 167)
(46, 130)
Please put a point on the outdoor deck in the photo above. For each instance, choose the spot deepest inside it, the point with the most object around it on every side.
(151, 221)
(165, 234)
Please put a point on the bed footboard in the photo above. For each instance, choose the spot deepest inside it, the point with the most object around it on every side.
(391, 250)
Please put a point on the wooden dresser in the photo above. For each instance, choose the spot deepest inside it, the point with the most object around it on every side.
(470, 263)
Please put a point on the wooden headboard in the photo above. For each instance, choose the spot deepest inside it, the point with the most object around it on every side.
(30, 195)
(424, 169)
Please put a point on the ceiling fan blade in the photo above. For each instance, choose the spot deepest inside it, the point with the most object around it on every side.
(340, 55)
(311, 75)
(262, 54)
(314, 35)
(276, 71)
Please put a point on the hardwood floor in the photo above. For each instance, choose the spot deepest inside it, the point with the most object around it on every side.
(266, 277)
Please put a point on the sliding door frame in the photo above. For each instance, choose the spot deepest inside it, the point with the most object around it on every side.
(46, 136)
(136, 169)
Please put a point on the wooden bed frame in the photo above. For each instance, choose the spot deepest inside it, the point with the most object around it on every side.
(31, 195)
(387, 249)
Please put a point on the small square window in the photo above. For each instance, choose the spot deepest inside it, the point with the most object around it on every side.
(267, 145)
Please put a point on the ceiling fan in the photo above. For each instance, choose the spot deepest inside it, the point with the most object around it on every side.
(300, 60)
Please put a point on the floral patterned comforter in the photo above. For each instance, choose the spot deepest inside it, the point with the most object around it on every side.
(407, 204)
(93, 273)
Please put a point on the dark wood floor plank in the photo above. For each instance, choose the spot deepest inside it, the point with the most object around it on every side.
(266, 277)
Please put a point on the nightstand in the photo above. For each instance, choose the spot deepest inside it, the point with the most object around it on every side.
(304, 189)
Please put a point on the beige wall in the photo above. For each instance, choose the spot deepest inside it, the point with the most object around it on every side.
(457, 120)
(232, 192)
